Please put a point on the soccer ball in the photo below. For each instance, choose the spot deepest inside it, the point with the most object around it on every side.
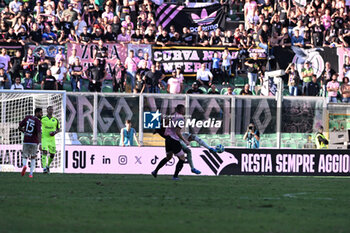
(220, 148)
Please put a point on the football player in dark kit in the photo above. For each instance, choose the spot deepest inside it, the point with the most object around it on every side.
(31, 128)
(172, 142)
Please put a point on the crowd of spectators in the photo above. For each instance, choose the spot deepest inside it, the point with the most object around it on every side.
(267, 24)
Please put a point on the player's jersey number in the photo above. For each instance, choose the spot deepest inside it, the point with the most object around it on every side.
(30, 127)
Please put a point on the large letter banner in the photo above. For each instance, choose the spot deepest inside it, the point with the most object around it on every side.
(86, 52)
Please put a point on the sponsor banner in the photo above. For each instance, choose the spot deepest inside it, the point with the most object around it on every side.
(11, 160)
(209, 17)
(143, 160)
(85, 53)
(50, 50)
(189, 58)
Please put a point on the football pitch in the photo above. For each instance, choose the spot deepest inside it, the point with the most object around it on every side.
(140, 203)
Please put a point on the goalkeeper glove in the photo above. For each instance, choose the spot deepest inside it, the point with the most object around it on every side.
(212, 150)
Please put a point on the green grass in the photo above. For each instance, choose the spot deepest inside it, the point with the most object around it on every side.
(136, 203)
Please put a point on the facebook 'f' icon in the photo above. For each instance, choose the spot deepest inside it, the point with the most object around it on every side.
(151, 120)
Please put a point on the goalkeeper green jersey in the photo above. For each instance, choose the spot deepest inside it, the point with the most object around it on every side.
(48, 125)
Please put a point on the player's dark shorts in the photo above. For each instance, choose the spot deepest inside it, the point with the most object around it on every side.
(171, 145)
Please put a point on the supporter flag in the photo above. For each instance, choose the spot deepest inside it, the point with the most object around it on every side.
(209, 17)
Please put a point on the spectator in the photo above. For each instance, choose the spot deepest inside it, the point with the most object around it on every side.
(163, 39)
(149, 38)
(128, 135)
(98, 36)
(79, 24)
(320, 140)
(140, 84)
(313, 87)
(127, 22)
(123, 38)
(76, 73)
(175, 83)
(297, 40)
(60, 73)
(226, 66)
(245, 90)
(96, 76)
(176, 39)
(215, 39)
(69, 14)
(15, 65)
(48, 36)
(230, 91)
(346, 67)
(252, 136)
(326, 76)
(109, 15)
(49, 82)
(264, 38)
(85, 36)
(306, 74)
(229, 39)
(10, 36)
(3, 79)
(146, 61)
(137, 37)
(285, 38)
(131, 67)
(153, 80)
(60, 56)
(202, 39)
(250, 10)
(318, 33)
(118, 77)
(187, 37)
(14, 6)
(293, 79)
(4, 64)
(43, 65)
(216, 71)
(254, 67)
(332, 88)
(17, 85)
(28, 80)
(194, 89)
(204, 76)
(345, 90)
(35, 35)
(213, 91)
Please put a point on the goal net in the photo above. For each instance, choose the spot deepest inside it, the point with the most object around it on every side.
(14, 106)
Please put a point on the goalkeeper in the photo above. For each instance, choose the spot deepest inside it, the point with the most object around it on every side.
(50, 127)
(189, 137)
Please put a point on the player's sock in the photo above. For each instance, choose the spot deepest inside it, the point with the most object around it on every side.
(50, 160)
(179, 166)
(32, 165)
(161, 164)
(24, 162)
(43, 160)
(189, 159)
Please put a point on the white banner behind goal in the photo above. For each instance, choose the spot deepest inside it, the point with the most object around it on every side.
(15, 105)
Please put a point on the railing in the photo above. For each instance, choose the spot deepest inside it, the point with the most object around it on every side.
(97, 118)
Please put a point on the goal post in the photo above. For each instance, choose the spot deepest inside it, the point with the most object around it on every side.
(14, 106)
